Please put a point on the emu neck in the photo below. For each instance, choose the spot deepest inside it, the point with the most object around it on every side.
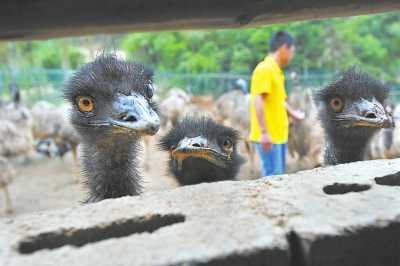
(345, 149)
(109, 164)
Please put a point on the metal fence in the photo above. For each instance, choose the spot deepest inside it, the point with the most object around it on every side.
(46, 84)
(35, 84)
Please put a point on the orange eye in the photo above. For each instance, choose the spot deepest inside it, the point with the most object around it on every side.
(336, 104)
(85, 104)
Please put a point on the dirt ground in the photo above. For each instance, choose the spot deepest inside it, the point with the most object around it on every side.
(52, 183)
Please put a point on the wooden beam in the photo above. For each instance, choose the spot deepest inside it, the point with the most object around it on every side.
(56, 18)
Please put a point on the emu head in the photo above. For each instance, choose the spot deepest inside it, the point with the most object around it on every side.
(202, 151)
(353, 106)
(112, 97)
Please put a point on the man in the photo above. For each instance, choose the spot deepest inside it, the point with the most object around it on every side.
(268, 108)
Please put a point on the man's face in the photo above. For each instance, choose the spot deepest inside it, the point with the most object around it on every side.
(286, 54)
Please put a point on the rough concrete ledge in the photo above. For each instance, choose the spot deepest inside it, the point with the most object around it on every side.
(342, 215)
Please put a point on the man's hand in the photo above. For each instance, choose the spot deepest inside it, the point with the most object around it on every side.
(266, 143)
(298, 115)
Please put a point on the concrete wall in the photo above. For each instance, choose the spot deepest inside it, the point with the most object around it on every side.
(342, 215)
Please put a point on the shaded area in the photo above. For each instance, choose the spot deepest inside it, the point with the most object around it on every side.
(342, 188)
(47, 19)
(260, 257)
(362, 247)
(368, 246)
(389, 180)
(80, 237)
(297, 252)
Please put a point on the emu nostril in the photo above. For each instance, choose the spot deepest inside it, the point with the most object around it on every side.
(370, 115)
(154, 128)
(129, 118)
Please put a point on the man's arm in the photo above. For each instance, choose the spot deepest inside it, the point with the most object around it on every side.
(259, 107)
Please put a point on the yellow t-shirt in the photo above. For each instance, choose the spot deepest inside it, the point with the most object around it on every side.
(268, 78)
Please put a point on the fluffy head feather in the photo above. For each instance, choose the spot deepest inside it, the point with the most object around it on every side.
(218, 164)
(353, 85)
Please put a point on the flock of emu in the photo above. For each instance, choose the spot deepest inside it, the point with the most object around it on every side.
(111, 108)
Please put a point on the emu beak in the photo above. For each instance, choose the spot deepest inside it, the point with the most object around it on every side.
(133, 114)
(198, 147)
(368, 113)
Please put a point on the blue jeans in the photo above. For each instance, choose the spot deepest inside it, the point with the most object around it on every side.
(273, 162)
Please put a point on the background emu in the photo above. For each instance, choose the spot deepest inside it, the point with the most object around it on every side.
(202, 151)
(53, 131)
(111, 110)
(7, 173)
(351, 111)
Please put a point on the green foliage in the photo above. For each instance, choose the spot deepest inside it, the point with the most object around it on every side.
(52, 54)
(50, 59)
(329, 45)
(76, 58)
(333, 45)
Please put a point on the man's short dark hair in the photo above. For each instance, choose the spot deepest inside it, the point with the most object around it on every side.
(280, 38)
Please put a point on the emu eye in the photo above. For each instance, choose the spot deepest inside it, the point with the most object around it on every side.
(336, 104)
(150, 90)
(85, 104)
(227, 144)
